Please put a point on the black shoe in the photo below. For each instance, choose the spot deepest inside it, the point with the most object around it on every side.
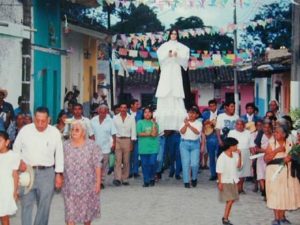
(285, 221)
(226, 221)
(212, 178)
(187, 185)
(136, 175)
(171, 175)
(117, 183)
(178, 177)
(194, 183)
(102, 186)
(130, 176)
(110, 171)
(146, 185)
(125, 183)
(152, 183)
(276, 222)
(205, 167)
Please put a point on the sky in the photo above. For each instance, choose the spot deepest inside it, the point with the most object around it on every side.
(213, 16)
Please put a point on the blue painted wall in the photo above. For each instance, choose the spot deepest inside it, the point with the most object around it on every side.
(47, 66)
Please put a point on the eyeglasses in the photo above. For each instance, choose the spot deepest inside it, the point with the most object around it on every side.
(75, 130)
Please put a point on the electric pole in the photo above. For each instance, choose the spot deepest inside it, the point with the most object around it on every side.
(236, 93)
(295, 67)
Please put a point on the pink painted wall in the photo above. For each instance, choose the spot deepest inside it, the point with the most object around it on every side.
(246, 91)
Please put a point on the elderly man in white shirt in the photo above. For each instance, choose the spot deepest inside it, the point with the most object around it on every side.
(126, 134)
(40, 146)
(78, 115)
(105, 136)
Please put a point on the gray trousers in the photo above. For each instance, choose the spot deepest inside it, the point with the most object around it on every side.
(41, 194)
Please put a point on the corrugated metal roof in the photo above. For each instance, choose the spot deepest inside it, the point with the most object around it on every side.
(215, 75)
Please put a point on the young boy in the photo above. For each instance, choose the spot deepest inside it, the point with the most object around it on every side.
(228, 164)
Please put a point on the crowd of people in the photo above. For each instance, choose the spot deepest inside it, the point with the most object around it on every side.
(77, 153)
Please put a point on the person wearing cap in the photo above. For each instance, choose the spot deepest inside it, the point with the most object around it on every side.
(190, 131)
(23, 107)
(40, 146)
(6, 110)
(228, 164)
(105, 136)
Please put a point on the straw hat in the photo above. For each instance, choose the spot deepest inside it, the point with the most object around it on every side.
(250, 126)
(26, 179)
(4, 91)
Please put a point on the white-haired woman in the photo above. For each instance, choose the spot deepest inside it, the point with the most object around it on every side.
(283, 192)
(82, 177)
(245, 143)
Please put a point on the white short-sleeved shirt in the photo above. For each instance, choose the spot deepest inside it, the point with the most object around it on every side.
(103, 132)
(189, 134)
(227, 167)
(224, 120)
(244, 138)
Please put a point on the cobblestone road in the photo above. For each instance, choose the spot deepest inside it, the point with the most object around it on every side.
(168, 203)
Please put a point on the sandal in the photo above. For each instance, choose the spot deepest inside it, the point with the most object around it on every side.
(226, 221)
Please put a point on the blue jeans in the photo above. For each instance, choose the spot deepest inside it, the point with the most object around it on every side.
(190, 154)
(41, 194)
(172, 148)
(148, 166)
(212, 146)
(160, 155)
(134, 159)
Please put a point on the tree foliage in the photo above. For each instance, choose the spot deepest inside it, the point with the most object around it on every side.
(137, 19)
(210, 42)
(278, 33)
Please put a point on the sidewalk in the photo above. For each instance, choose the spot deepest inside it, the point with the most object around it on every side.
(168, 203)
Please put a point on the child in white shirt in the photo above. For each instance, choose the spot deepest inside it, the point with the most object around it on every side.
(228, 164)
(9, 164)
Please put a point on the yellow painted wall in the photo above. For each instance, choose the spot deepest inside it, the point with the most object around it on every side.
(89, 44)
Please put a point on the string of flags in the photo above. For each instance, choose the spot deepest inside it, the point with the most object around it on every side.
(199, 59)
(173, 4)
(159, 37)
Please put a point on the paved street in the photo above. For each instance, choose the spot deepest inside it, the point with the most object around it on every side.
(168, 203)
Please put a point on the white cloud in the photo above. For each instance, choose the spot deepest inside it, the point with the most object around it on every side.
(214, 16)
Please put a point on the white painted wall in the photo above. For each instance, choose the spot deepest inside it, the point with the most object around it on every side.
(262, 94)
(72, 64)
(11, 53)
(206, 93)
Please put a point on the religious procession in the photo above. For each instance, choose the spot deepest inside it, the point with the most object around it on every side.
(179, 118)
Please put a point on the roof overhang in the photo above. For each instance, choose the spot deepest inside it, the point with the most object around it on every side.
(99, 35)
(86, 3)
